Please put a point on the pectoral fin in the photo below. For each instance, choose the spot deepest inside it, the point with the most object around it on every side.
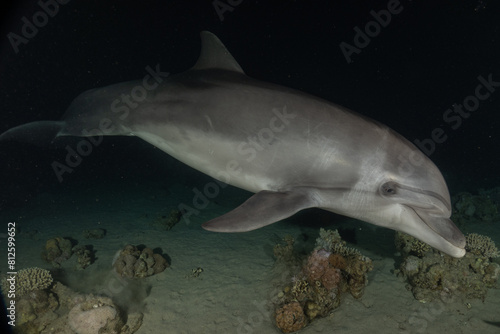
(263, 208)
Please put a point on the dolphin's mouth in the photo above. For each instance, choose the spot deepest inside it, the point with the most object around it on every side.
(433, 210)
(443, 227)
(443, 203)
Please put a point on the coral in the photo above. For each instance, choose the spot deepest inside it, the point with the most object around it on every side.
(165, 222)
(464, 204)
(316, 265)
(331, 268)
(312, 310)
(337, 261)
(476, 208)
(33, 300)
(411, 265)
(25, 313)
(319, 269)
(57, 250)
(493, 194)
(481, 245)
(290, 317)
(409, 245)
(62, 310)
(357, 270)
(491, 274)
(437, 275)
(133, 263)
(349, 260)
(331, 278)
(134, 322)
(301, 290)
(36, 305)
(331, 241)
(85, 256)
(97, 233)
(343, 250)
(284, 252)
(42, 300)
(327, 239)
(27, 280)
(95, 315)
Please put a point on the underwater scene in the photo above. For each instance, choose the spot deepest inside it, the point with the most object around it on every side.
(240, 166)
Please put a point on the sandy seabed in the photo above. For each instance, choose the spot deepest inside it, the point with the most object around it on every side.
(234, 292)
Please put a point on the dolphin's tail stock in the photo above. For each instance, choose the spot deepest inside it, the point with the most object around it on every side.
(41, 133)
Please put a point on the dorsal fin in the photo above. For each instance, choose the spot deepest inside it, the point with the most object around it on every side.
(214, 55)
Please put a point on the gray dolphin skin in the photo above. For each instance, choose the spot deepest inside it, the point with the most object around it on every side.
(293, 150)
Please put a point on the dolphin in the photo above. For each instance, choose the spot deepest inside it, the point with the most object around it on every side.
(292, 149)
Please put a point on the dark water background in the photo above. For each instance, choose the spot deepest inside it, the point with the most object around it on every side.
(428, 57)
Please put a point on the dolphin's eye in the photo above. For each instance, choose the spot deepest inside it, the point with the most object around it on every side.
(388, 188)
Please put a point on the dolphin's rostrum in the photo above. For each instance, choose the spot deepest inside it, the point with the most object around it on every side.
(294, 150)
